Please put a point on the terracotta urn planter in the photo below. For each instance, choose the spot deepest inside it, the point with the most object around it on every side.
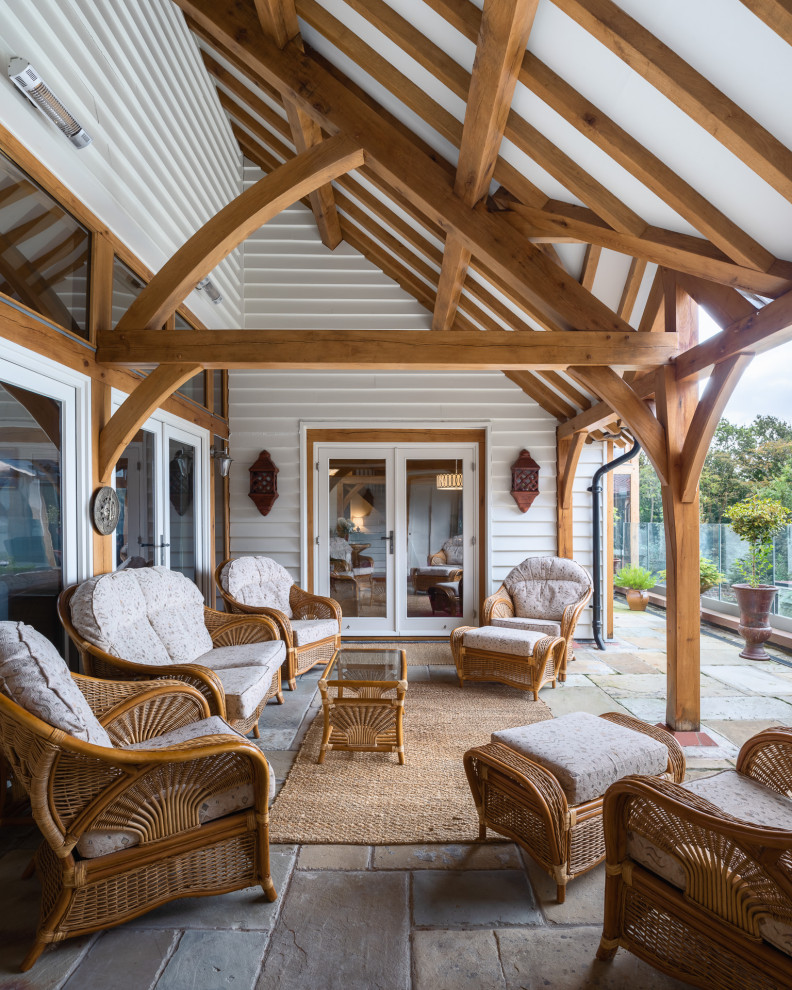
(755, 605)
(636, 600)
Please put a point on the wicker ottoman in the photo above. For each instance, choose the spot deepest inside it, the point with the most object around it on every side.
(518, 657)
(542, 784)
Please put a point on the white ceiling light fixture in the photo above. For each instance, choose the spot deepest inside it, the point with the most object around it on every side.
(29, 82)
(210, 289)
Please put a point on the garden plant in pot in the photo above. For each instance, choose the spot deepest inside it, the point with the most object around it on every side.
(636, 582)
(756, 520)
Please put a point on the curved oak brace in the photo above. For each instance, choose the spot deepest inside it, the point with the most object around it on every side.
(569, 450)
(136, 409)
(235, 222)
(705, 420)
(612, 389)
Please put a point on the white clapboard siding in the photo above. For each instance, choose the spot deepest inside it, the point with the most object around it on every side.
(267, 408)
(293, 282)
(163, 158)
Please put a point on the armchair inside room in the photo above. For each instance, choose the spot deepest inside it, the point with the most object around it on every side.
(542, 594)
(442, 566)
(140, 796)
(350, 575)
(152, 622)
(309, 625)
(699, 876)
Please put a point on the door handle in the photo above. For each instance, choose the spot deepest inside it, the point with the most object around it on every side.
(389, 538)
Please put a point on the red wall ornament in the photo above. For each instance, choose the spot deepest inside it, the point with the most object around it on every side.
(525, 481)
(264, 483)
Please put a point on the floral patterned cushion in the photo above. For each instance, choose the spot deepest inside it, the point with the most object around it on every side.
(542, 587)
(270, 655)
(258, 581)
(109, 610)
(312, 630)
(585, 753)
(454, 550)
(513, 642)
(340, 550)
(546, 626)
(35, 677)
(236, 798)
(743, 798)
(175, 609)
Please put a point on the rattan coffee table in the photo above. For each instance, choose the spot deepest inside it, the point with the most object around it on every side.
(363, 693)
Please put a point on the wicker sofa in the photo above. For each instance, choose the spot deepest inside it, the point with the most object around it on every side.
(309, 625)
(699, 876)
(139, 795)
(152, 622)
(542, 594)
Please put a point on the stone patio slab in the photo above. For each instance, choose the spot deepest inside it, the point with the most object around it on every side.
(456, 960)
(751, 678)
(627, 664)
(54, 966)
(336, 857)
(124, 960)
(581, 699)
(214, 961)
(474, 898)
(340, 931)
(462, 856)
(740, 732)
(564, 959)
(739, 707)
(652, 685)
(588, 665)
(585, 895)
(241, 910)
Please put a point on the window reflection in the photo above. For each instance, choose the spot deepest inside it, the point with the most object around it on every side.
(135, 485)
(31, 532)
(44, 252)
(434, 538)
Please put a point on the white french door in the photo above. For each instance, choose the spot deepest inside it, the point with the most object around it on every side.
(162, 482)
(383, 515)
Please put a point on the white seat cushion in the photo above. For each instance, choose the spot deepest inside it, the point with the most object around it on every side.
(236, 798)
(312, 630)
(35, 677)
(546, 626)
(743, 798)
(512, 642)
(586, 754)
(270, 654)
(440, 571)
(258, 581)
(244, 689)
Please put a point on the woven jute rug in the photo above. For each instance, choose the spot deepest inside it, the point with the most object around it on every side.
(368, 799)
(420, 653)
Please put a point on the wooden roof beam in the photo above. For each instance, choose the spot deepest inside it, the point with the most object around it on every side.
(688, 89)
(542, 287)
(471, 350)
(278, 19)
(777, 14)
(662, 247)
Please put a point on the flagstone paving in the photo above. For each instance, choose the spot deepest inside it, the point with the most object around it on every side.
(412, 917)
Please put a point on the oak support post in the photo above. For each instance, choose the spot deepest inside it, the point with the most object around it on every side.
(101, 411)
(568, 450)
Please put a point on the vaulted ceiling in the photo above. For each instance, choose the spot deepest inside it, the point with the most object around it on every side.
(537, 166)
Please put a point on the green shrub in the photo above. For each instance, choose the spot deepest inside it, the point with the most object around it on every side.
(756, 520)
(709, 575)
(638, 578)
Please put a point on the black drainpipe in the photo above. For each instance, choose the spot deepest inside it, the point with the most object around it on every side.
(596, 512)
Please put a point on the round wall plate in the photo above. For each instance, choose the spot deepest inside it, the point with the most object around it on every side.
(106, 510)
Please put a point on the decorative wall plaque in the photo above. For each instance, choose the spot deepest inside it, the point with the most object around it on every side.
(525, 481)
(263, 483)
(106, 510)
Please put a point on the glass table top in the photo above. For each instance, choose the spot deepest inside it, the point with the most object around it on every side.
(367, 665)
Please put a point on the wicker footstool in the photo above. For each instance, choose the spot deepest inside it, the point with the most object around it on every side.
(518, 657)
(542, 785)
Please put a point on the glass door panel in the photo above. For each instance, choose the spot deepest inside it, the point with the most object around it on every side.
(31, 509)
(135, 536)
(182, 507)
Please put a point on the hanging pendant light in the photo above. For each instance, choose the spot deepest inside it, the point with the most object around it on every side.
(450, 482)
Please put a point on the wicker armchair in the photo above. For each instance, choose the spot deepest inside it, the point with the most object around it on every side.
(703, 894)
(443, 565)
(171, 804)
(309, 625)
(542, 594)
(223, 632)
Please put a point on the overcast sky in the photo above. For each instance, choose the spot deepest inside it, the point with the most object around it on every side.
(765, 387)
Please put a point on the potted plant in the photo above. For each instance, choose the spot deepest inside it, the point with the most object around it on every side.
(636, 581)
(709, 575)
(756, 520)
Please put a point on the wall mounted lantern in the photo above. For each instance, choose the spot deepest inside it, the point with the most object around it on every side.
(264, 483)
(525, 481)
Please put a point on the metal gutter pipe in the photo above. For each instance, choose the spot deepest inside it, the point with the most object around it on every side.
(596, 514)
